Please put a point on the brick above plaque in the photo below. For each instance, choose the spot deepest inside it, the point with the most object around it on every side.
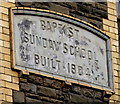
(62, 47)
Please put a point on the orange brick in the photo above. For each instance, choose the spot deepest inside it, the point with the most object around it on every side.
(6, 91)
(2, 102)
(111, 102)
(10, 72)
(111, 35)
(5, 37)
(5, 64)
(0, 27)
(111, 5)
(5, 24)
(117, 91)
(114, 97)
(8, 4)
(105, 27)
(2, 70)
(115, 12)
(5, 77)
(15, 80)
(2, 83)
(2, 90)
(5, 30)
(116, 37)
(5, 17)
(4, 10)
(1, 56)
(112, 18)
(116, 79)
(2, 97)
(12, 85)
(6, 57)
(117, 49)
(115, 66)
(110, 11)
(5, 50)
(12, 1)
(0, 15)
(114, 60)
(6, 44)
(111, 29)
(9, 98)
(115, 54)
(116, 31)
(114, 42)
(114, 48)
(116, 25)
(108, 22)
(1, 42)
(116, 85)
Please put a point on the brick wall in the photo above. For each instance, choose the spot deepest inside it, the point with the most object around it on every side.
(111, 29)
(91, 12)
(17, 87)
(8, 78)
(43, 90)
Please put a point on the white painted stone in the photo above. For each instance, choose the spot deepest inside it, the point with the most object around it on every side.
(60, 48)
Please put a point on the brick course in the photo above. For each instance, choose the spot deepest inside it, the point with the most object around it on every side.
(44, 90)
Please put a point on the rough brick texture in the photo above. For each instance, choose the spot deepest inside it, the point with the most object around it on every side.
(51, 91)
(91, 12)
(42, 90)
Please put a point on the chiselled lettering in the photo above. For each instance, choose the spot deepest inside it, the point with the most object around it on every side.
(62, 49)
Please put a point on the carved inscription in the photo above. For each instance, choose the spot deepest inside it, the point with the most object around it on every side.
(60, 48)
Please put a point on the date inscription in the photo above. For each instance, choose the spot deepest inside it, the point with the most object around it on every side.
(60, 48)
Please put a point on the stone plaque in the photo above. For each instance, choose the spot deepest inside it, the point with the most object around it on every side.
(62, 47)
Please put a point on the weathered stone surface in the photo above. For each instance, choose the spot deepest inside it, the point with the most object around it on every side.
(43, 5)
(66, 88)
(71, 5)
(34, 96)
(29, 87)
(59, 8)
(35, 79)
(63, 96)
(98, 12)
(52, 83)
(101, 6)
(76, 89)
(90, 10)
(88, 93)
(55, 93)
(98, 94)
(23, 80)
(33, 101)
(96, 23)
(46, 91)
(19, 97)
(84, 8)
(45, 102)
(99, 102)
(77, 98)
(48, 99)
(56, 84)
(48, 82)
(26, 3)
(93, 17)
